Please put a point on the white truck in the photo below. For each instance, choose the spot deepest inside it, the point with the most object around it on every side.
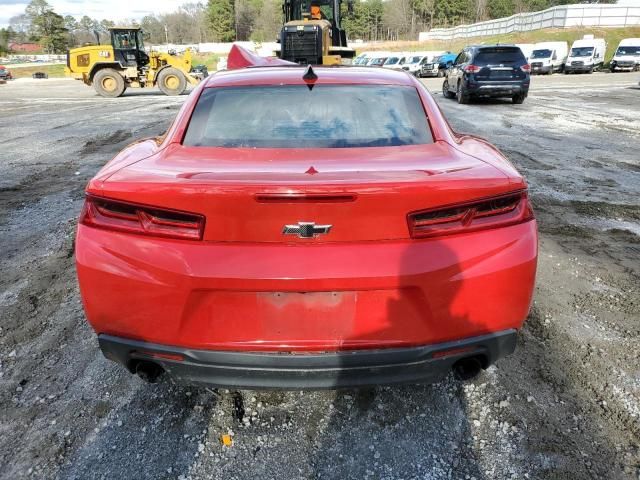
(526, 49)
(396, 61)
(627, 56)
(548, 57)
(412, 65)
(586, 55)
(416, 61)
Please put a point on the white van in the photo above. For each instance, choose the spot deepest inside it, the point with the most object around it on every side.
(377, 59)
(360, 59)
(586, 55)
(526, 49)
(412, 65)
(548, 57)
(416, 60)
(627, 56)
(396, 61)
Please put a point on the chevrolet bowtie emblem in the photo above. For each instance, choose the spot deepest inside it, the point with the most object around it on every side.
(306, 229)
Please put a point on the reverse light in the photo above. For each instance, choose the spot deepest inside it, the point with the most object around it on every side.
(132, 218)
(491, 212)
(471, 69)
(526, 68)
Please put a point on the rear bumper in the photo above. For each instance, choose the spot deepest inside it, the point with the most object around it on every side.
(541, 69)
(306, 298)
(424, 364)
(497, 89)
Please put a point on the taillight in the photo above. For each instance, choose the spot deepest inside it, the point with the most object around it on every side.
(526, 68)
(471, 68)
(132, 218)
(467, 217)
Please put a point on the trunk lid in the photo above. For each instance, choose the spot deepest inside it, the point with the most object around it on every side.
(254, 195)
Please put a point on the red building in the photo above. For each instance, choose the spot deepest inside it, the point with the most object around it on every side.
(24, 47)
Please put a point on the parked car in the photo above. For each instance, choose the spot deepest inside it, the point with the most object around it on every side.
(5, 73)
(438, 66)
(488, 71)
(258, 243)
(378, 59)
(627, 56)
(586, 55)
(548, 57)
(200, 72)
(362, 59)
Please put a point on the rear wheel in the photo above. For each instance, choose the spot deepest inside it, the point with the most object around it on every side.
(109, 83)
(461, 96)
(446, 93)
(171, 81)
(518, 99)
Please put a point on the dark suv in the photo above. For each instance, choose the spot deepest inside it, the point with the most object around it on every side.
(488, 71)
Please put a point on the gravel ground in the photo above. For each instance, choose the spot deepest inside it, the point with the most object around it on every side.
(566, 405)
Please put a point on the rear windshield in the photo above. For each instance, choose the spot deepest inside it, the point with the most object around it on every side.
(499, 56)
(292, 116)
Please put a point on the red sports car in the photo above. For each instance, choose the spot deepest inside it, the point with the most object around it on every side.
(299, 228)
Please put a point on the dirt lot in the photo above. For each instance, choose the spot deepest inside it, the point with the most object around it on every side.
(566, 405)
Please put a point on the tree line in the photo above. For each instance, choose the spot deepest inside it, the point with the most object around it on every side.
(259, 20)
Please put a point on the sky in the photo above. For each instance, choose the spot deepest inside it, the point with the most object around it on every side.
(112, 10)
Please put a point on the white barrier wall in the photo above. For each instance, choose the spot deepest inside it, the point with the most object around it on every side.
(262, 49)
(562, 16)
(34, 58)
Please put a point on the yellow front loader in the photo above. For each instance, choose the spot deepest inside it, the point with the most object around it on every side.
(111, 69)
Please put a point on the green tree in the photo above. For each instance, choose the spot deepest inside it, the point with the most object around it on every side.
(104, 25)
(501, 8)
(221, 16)
(6, 35)
(51, 32)
(47, 27)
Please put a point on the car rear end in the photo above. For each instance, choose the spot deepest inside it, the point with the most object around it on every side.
(497, 71)
(268, 248)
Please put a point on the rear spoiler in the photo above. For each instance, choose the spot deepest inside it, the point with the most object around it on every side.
(240, 57)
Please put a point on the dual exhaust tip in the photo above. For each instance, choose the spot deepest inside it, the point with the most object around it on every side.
(464, 369)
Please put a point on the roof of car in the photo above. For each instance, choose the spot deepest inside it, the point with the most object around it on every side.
(493, 45)
(292, 75)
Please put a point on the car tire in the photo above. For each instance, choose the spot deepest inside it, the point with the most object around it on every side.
(446, 93)
(109, 83)
(460, 95)
(518, 99)
(171, 81)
